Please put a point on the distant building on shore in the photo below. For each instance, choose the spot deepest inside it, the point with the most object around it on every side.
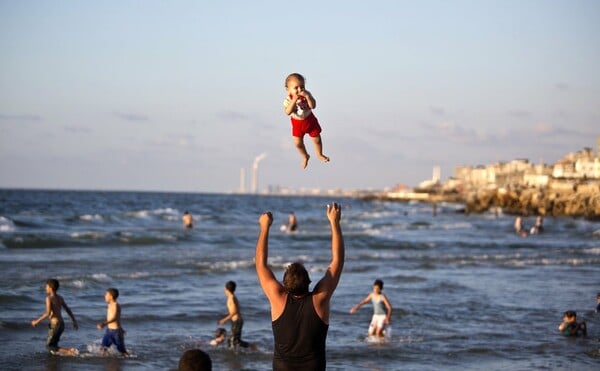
(576, 166)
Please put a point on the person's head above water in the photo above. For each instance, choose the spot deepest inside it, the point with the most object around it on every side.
(296, 279)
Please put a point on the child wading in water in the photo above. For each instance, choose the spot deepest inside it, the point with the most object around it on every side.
(299, 105)
(382, 310)
(569, 325)
(235, 316)
(114, 332)
(54, 303)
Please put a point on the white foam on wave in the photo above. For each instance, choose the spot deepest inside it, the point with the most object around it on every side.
(141, 214)
(138, 274)
(79, 284)
(459, 225)
(96, 350)
(101, 277)
(88, 235)
(91, 218)
(550, 262)
(231, 265)
(6, 225)
(592, 251)
(167, 211)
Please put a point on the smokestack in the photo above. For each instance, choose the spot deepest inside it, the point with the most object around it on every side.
(258, 159)
(242, 180)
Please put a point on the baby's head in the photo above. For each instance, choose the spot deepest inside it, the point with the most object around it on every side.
(294, 83)
(294, 77)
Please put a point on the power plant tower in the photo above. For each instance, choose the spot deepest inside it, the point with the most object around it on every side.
(437, 174)
(242, 180)
(257, 160)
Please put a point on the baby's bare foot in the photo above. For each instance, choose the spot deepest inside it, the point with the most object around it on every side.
(305, 161)
(324, 158)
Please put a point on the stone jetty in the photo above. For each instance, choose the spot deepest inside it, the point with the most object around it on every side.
(577, 200)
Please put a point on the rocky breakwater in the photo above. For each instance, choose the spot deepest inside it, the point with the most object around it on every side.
(556, 200)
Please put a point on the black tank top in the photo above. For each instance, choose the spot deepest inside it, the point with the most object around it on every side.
(299, 336)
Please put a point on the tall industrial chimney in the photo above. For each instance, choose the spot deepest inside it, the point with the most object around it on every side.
(242, 180)
(258, 159)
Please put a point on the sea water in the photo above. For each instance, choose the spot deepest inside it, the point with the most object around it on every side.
(467, 292)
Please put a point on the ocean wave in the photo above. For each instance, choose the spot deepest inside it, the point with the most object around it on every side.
(87, 239)
(457, 225)
(101, 277)
(89, 235)
(165, 213)
(232, 265)
(91, 218)
(592, 251)
(6, 225)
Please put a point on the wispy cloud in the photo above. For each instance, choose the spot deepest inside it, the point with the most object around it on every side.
(77, 129)
(133, 117)
(20, 117)
(453, 132)
(230, 115)
(562, 86)
(175, 141)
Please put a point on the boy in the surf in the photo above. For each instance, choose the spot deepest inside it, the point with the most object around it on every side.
(299, 104)
(54, 304)
(187, 220)
(382, 310)
(598, 303)
(114, 332)
(235, 316)
(569, 325)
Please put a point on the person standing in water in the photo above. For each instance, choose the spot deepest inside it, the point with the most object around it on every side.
(235, 316)
(382, 310)
(54, 304)
(188, 220)
(292, 223)
(300, 318)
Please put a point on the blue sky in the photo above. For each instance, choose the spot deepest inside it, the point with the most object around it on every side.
(180, 95)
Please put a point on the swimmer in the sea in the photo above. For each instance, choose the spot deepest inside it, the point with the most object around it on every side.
(292, 222)
(519, 229)
(220, 336)
(569, 325)
(188, 221)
